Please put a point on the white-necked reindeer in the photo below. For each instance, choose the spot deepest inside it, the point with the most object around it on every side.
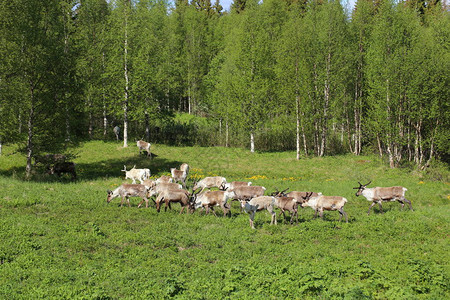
(380, 194)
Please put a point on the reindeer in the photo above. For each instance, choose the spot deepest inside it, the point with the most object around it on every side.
(164, 179)
(287, 204)
(63, 167)
(129, 190)
(144, 146)
(136, 174)
(257, 204)
(380, 194)
(209, 182)
(185, 167)
(181, 196)
(234, 184)
(179, 176)
(209, 199)
(321, 203)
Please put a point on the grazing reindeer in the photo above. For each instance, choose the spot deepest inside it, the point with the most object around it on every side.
(144, 146)
(321, 203)
(129, 190)
(380, 194)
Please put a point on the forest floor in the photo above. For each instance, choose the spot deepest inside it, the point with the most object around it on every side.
(60, 239)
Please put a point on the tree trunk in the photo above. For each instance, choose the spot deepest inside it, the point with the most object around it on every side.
(90, 129)
(226, 134)
(105, 122)
(125, 102)
(30, 146)
(252, 142)
(297, 133)
(324, 128)
(380, 150)
(105, 117)
(391, 156)
(147, 126)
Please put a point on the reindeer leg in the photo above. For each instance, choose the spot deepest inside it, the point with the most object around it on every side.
(370, 207)
(212, 208)
(167, 204)
(381, 207)
(340, 214)
(128, 201)
(252, 217)
(273, 213)
(409, 203)
(321, 213)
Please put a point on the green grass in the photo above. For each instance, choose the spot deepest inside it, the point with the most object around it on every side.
(60, 239)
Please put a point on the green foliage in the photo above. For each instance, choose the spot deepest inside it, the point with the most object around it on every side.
(60, 239)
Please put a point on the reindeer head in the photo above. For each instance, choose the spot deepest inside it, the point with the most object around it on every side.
(361, 188)
(109, 197)
(223, 186)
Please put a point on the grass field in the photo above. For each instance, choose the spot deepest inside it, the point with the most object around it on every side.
(60, 239)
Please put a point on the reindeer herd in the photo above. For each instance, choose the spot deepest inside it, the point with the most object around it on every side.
(211, 192)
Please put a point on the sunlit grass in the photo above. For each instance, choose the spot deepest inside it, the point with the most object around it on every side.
(60, 239)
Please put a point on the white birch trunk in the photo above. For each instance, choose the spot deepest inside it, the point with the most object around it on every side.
(125, 104)
(30, 145)
(252, 142)
(226, 134)
(297, 133)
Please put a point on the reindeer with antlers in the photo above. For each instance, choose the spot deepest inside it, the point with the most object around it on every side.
(380, 194)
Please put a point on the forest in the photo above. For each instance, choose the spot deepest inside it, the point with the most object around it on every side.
(271, 75)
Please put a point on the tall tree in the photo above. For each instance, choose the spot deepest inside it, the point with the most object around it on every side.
(394, 35)
(35, 33)
(291, 76)
(92, 25)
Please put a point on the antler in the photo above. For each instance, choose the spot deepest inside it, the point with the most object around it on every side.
(284, 191)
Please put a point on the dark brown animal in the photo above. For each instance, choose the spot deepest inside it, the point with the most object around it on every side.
(63, 167)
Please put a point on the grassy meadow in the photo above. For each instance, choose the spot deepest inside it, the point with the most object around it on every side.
(60, 239)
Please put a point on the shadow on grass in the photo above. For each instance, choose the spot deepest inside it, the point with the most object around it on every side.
(96, 170)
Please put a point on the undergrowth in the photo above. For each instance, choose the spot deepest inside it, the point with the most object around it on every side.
(60, 239)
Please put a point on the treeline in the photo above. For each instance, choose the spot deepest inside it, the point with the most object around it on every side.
(269, 75)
